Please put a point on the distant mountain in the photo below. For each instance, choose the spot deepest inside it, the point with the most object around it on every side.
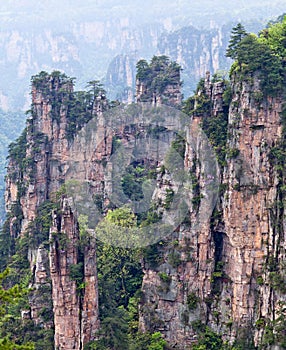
(82, 38)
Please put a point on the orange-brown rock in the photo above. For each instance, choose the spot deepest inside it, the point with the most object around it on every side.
(48, 154)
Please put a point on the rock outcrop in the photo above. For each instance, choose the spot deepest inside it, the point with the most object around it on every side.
(220, 269)
(64, 273)
(227, 272)
(252, 212)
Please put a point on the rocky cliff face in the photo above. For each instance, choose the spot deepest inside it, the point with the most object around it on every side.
(253, 214)
(197, 51)
(220, 271)
(121, 76)
(63, 271)
(75, 303)
(227, 273)
(178, 291)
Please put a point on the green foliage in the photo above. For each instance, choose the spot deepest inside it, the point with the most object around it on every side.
(40, 228)
(169, 198)
(277, 281)
(134, 178)
(39, 80)
(214, 126)
(116, 144)
(120, 275)
(232, 152)
(264, 55)
(9, 233)
(152, 255)
(9, 297)
(17, 154)
(113, 332)
(280, 326)
(76, 273)
(209, 340)
(192, 301)
(260, 280)
(237, 34)
(78, 106)
(120, 278)
(269, 337)
(260, 323)
(7, 244)
(157, 75)
(257, 56)
(79, 111)
(11, 125)
(174, 259)
(156, 131)
(174, 163)
(139, 341)
(123, 217)
(217, 274)
(45, 82)
(275, 37)
(203, 105)
(164, 277)
(189, 105)
(143, 70)
(157, 342)
(179, 145)
(6, 344)
(119, 269)
(12, 326)
(95, 88)
(227, 94)
(276, 270)
(17, 149)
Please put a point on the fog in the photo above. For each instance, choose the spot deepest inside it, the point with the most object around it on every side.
(180, 12)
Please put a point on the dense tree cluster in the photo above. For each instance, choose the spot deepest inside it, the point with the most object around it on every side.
(264, 54)
(157, 75)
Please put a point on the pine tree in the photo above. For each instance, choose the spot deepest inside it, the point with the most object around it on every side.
(237, 34)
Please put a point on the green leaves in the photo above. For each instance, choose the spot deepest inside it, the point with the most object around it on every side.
(275, 37)
(80, 108)
(157, 75)
(6, 344)
(237, 34)
(157, 342)
(209, 340)
(7, 296)
(10, 297)
(119, 269)
(264, 54)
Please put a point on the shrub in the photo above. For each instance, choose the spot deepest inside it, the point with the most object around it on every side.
(192, 301)
(164, 277)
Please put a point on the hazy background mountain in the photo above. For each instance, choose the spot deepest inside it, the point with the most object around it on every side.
(82, 38)
(180, 12)
(104, 39)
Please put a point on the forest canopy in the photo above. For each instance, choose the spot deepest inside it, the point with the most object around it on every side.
(265, 53)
